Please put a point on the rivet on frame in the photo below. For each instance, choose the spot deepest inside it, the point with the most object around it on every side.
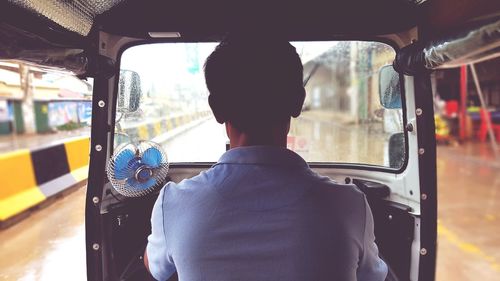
(95, 199)
(101, 103)
(98, 147)
(423, 196)
(418, 111)
(421, 151)
(423, 251)
(95, 246)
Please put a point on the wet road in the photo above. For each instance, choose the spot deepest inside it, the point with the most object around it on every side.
(312, 135)
(469, 213)
(49, 245)
(13, 142)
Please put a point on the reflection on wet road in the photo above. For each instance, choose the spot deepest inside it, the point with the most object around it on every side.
(50, 244)
(469, 213)
(318, 138)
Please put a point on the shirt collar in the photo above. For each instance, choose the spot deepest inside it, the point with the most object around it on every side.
(262, 154)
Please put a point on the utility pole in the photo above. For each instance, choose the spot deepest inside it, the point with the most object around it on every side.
(27, 100)
(491, 134)
(353, 89)
(463, 103)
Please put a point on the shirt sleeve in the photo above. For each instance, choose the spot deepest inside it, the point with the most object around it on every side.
(159, 262)
(371, 266)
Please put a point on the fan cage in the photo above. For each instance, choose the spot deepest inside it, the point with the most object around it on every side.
(159, 173)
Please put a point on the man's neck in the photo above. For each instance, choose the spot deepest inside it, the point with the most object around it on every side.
(237, 138)
(246, 140)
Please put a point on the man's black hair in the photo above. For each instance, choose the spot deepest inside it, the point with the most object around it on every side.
(254, 82)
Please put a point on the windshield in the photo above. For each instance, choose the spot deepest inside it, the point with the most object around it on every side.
(342, 120)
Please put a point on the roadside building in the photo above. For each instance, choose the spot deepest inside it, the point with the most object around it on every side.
(34, 100)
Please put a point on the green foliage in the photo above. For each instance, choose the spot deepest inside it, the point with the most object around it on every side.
(70, 126)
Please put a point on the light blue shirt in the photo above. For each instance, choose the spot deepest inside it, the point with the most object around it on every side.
(261, 213)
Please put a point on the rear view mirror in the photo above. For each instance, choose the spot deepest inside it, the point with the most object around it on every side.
(129, 91)
(396, 150)
(389, 87)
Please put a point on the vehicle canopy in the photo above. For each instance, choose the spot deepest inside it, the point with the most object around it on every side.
(63, 34)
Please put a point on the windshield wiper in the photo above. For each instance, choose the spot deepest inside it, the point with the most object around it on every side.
(311, 73)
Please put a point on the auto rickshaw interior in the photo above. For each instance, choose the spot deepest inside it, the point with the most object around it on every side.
(134, 49)
(170, 73)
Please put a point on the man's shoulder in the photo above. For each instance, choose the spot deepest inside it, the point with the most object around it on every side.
(202, 180)
(327, 184)
(190, 186)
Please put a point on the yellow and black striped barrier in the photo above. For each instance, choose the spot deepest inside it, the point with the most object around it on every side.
(150, 130)
(28, 177)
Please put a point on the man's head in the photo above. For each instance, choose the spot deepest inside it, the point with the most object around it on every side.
(255, 84)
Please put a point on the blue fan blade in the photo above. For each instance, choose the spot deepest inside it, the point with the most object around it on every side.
(152, 157)
(122, 167)
(141, 185)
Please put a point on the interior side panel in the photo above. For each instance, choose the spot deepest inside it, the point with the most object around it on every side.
(127, 225)
(394, 229)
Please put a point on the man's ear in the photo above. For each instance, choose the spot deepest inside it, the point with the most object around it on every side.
(216, 109)
(297, 107)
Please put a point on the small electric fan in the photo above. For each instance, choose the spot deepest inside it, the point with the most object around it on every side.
(137, 169)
